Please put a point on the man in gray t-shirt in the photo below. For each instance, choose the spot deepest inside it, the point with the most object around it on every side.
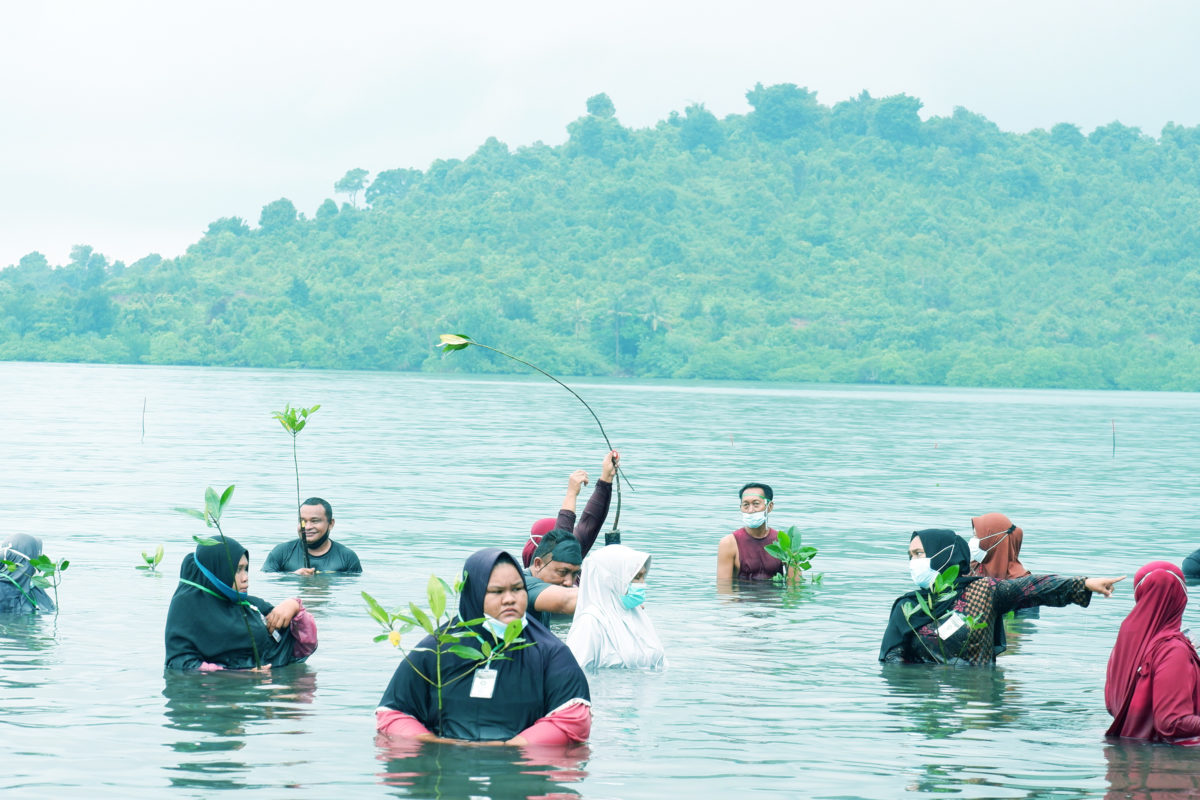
(323, 554)
(550, 579)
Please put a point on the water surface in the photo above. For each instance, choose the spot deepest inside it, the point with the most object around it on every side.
(768, 694)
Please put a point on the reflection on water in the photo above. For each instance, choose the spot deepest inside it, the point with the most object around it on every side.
(1143, 771)
(215, 712)
(432, 770)
(27, 642)
(941, 701)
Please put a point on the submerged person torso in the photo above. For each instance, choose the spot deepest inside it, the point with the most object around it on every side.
(289, 557)
(754, 562)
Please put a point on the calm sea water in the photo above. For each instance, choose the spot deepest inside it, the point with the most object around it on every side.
(768, 693)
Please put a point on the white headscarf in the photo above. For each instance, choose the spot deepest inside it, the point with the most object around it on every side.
(605, 633)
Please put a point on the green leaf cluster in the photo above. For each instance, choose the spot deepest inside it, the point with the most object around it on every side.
(293, 420)
(852, 242)
(152, 561)
(795, 555)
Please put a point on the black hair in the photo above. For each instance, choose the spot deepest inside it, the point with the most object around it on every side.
(766, 490)
(317, 501)
(550, 541)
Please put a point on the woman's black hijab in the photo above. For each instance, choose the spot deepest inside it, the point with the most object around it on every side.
(530, 683)
(944, 548)
(18, 595)
(207, 618)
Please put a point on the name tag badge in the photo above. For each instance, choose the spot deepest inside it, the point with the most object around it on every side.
(484, 683)
(950, 626)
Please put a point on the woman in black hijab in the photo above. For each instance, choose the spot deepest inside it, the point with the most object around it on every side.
(967, 625)
(18, 595)
(536, 695)
(209, 614)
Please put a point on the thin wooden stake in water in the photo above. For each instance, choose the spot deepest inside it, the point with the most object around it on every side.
(144, 420)
(1114, 426)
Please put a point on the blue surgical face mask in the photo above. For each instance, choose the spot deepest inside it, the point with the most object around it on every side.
(754, 520)
(923, 573)
(498, 627)
(634, 596)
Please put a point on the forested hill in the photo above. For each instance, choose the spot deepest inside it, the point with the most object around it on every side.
(797, 242)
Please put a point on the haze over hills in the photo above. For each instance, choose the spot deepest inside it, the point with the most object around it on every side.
(800, 242)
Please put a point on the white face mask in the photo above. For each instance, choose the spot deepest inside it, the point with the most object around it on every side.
(497, 627)
(922, 572)
(755, 520)
(977, 551)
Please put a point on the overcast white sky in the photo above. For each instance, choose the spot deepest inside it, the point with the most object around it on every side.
(130, 126)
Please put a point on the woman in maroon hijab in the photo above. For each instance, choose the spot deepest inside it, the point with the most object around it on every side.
(1153, 686)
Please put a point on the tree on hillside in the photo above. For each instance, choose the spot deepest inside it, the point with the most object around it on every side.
(277, 215)
(392, 184)
(783, 110)
(896, 118)
(234, 225)
(352, 183)
(700, 128)
(600, 105)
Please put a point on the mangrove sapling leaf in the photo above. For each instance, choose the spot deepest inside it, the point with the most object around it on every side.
(469, 653)
(974, 624)
(204, 540)
(212, 504)
(422, 618)
(192, 512)
(436, 594)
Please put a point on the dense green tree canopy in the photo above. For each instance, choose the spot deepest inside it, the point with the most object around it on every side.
(853, 243)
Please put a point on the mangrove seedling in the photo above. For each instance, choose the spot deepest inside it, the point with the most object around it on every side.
(450, 635)
(152, 561)
(795, 555)
(942, 589)
(214, 504)
(293, 421)
(45, 573)
(460, 341)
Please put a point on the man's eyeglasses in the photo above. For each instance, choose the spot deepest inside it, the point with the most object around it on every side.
(754, 504)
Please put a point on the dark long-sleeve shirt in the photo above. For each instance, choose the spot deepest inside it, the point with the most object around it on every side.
(986, 600)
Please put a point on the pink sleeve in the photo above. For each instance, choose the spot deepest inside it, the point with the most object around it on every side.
(397, 723)
(206, 666)
(570, 724)
(304, 633)
(1174, 692)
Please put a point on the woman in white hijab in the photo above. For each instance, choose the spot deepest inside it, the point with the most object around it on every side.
(611, 627)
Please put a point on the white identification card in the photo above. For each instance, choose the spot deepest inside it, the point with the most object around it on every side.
(950, 626)
(484, 683)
